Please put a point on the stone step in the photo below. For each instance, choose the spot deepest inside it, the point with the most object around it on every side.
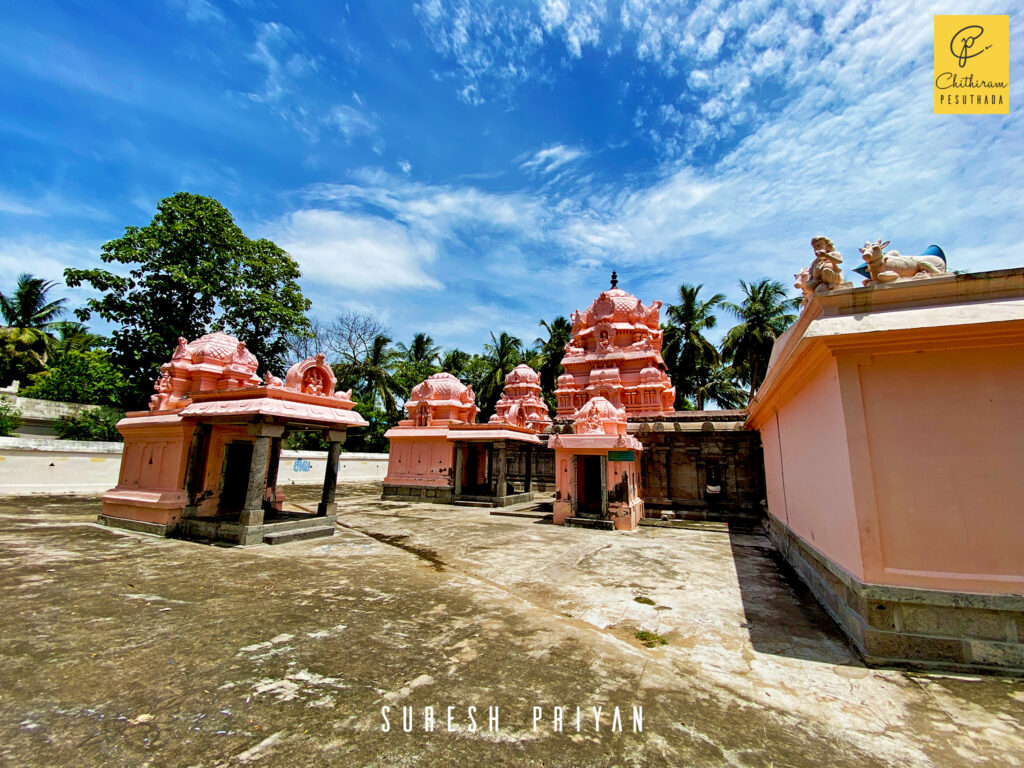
(534, 513)
(299, 534)
(587, 522)
(298, 523)
(467, 503)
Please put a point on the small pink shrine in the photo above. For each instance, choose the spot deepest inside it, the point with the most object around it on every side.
(521, 403)
(597, 470)
(202, 461)
(440, 453)
(615, 353)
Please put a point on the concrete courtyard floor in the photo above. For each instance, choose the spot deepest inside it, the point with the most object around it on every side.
(120, 649)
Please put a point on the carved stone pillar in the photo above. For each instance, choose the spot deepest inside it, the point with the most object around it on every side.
(334, 440)
(502, 471)
(460, 452)
(262, 434)
(194, 469)
(529, 468)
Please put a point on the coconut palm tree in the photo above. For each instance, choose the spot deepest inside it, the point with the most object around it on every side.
(763, 315)
(454, 361)
(27, 307)
(692, 316)
(422, 351)
(375, 374)
(26, 340)
(502, 355)
(718, 383)
(552, 349)
(73, 337)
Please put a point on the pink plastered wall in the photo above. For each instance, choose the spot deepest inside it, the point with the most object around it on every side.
(807, 470)
(945, 434)
(420, 460)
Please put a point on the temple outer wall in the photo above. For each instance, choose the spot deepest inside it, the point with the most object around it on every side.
(92, 468)
(893, 434)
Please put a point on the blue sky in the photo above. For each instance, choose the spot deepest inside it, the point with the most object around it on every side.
(462, 167)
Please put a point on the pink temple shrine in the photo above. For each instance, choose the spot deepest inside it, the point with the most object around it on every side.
(202, 462)
(615, 353)
(597, 469)
(439, 453)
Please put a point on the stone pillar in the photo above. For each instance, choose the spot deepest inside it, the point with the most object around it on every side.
(530, 455)
(194, 468)
(460, 451)
(252, 514)
(604, 485)
(502, 471)
(334, 440)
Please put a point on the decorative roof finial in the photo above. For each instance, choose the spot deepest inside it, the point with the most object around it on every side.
(615, 279)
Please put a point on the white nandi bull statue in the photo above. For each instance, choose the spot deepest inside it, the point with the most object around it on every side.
(892, 266)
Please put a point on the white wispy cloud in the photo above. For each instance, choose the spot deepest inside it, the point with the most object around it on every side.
(200, 11)
(551, 158)
(350, 122)
(356, 252)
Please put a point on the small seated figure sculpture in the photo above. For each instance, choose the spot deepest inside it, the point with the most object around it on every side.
(888, 267)
(824, 273)
(270, 380)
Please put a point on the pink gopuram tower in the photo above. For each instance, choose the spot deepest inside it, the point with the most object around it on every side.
(521, 404)
(615, 353)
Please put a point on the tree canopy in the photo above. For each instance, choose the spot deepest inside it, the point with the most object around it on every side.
(190, 270)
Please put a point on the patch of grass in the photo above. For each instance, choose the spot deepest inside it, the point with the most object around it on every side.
(644, 600)
(650, 639)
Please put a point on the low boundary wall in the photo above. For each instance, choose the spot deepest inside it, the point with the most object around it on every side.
(35, 465)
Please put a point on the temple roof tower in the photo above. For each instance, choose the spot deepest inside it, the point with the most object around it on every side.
(521, 404)
(438, 400)
(615, 353)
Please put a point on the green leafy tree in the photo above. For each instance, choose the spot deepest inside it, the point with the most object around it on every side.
(10, 417)
(80, 377)
(763, 315)
(97, 424)
(686, 346)
(190, 269)
(370, 439)
(266, 304)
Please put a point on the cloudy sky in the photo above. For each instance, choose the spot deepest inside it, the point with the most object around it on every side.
(466, 166)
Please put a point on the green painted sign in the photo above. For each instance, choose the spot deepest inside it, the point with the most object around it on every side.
(621, 456)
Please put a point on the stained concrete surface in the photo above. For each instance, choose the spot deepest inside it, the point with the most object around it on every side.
(120, 649)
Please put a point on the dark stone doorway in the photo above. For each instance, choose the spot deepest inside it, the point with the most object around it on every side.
(237, 460)
(588, 486)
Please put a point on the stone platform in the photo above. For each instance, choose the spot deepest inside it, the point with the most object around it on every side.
(226, 530)
(121, 650)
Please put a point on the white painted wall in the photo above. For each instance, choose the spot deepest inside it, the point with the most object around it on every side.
(36, 465)
(38, 417)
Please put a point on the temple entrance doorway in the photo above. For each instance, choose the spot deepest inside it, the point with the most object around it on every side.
(589, 486)
(237, 460)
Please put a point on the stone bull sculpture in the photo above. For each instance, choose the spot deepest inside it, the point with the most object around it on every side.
(889, 267)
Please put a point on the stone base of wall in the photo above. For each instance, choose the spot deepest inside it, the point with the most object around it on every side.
(907, 627)
(138, 526)
(432, 493)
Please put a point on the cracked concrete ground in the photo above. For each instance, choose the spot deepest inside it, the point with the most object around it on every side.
(120, 649)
